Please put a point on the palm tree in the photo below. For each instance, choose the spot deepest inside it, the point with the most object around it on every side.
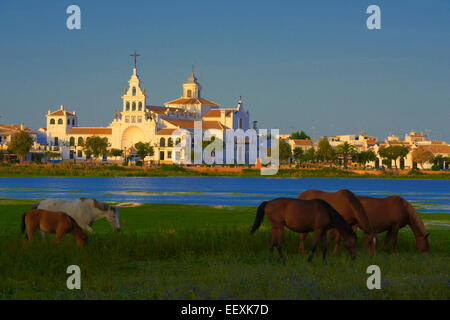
(345, 150)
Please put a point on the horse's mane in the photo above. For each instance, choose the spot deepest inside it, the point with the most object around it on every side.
(97, 204)
(73, 220)
(414, 218)
(359, 210)
(336, 218)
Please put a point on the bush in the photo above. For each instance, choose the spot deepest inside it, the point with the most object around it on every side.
(172, 167)
(116, 167)
(435, 167)
(414, 172)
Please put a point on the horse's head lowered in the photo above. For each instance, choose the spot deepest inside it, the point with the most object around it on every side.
(109, 212)
(422, 243)
(350, 243)
(113, 218)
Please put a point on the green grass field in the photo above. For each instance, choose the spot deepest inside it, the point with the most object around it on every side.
(172, 251)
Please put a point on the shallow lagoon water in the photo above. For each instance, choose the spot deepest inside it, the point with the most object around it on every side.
(426, 195)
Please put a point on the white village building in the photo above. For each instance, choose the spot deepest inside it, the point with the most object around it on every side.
(138, 121)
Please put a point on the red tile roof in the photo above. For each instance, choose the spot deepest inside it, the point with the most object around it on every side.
(437, 148)
(189, 124)
(61, 113)
(165, 131)
(192, 101)
(93, 131)
(158, 110)
(216, 113)
(302, 142)
(13, 128)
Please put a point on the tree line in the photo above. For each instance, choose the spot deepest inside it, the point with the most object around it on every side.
(95, 147)
(345, 152)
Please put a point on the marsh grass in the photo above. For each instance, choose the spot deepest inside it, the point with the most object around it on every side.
(169, 251)
(212, 264)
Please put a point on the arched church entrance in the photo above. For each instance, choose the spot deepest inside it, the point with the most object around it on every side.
(131, 136)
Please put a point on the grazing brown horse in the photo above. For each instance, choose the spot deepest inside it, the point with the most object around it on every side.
(303, 216)
(52, 222)
(392, 213)
(348, 205)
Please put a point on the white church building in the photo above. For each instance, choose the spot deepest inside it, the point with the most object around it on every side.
(138, 121)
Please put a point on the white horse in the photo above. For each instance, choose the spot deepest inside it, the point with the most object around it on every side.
(85, 211)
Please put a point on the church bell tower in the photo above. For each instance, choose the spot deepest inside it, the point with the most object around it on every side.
(134, 99)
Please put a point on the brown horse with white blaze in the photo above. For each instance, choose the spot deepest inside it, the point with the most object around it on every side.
(303, 216)
(51, 222)
(393, 213)
(349, 207)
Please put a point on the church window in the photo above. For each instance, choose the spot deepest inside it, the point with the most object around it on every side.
(139, 119)
(170, 143)
(60, 121)
(161, 155)
(169, 154)
(134, 91)
(80, 141)
(162, 142)
(241, 123)
(80, 153)
(52, 121)
(189, 93)
(127, 119)
(127, 106)
(133, 119)
(178, 141)
(133, 108)
(56, 141)
(73, 122)
(72, 141)
(140, 106)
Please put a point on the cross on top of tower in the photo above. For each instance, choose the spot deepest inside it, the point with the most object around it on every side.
(135, 55)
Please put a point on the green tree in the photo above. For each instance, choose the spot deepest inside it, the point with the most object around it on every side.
(116, 152)
(20, 144)
(96, 146)
(299, 135)
(298, 154)
(439, 160)
(310, 155)
(346, 151)
(284, 150)
(386, 162)
(421, 156)
(144, 149)
(325, 151)
(365, 156)
(392, 153)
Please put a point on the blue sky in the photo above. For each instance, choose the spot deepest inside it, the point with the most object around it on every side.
(310, 65)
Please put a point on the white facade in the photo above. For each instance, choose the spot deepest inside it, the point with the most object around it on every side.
(140, 122)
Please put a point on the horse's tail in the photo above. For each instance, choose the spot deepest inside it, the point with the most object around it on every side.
(259, 216)
(336, 218)
(22, 225)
